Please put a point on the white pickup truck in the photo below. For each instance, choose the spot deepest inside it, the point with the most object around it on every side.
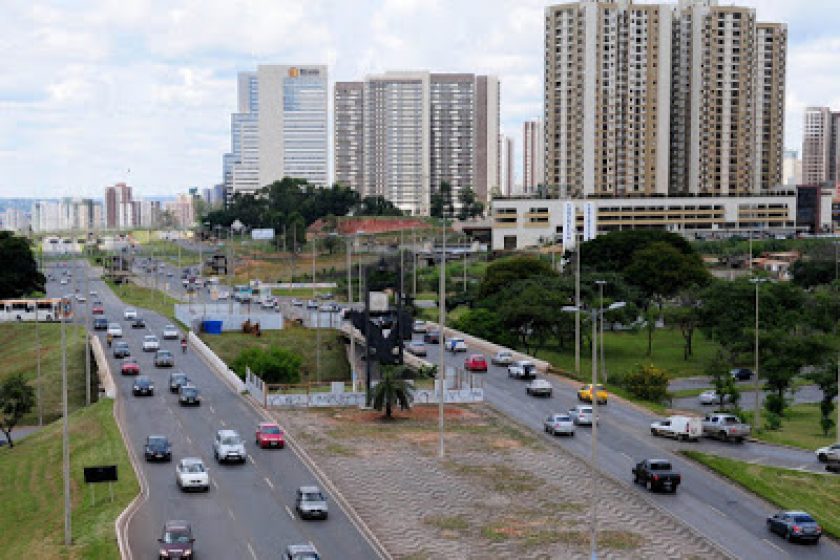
(726, 427)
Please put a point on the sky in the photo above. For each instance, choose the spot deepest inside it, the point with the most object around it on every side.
(98, 91)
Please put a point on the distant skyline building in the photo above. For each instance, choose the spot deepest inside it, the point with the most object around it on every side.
(66, 214)
(533, 155)
(506, 165)
(182, 210)
(821, 147)
(792, 168)
(349, 134)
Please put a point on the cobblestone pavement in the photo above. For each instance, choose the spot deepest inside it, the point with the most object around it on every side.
(501, 492)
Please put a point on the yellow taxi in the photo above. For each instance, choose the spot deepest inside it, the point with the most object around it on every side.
(585, 394)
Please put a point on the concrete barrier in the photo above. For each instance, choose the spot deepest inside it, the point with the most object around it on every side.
(214, 362)
(103, 368)
(473, 342)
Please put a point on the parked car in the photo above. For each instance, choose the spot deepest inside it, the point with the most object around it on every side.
(829, 452)
(581, 415)
(656, 474)
(130, 366)
(228, 446)
(329, 308)
(301, 552)
(170, 332)
(188, 395)
(312, 304)
(143, 386)
(683, 428)
(794, 525)
(711, 397)
(176, 540)
(191, 474)
(456, 344)
(502, 358)
(310, 503)
(416, 347)
(725, 426)
(559, 424)
(164, 358)
(157, 448)
(129, 313)
(150, 343)
(539, 388)
(269, 302)
(522, 369)
(115, 330)
(121, 349)
(432, 337)
(176, 379)
(741, 373)
(584, 394)
(475, 362)
(419, 326)
(98, 308)
(100, 323)
(269, 434)
(297, 303)
(138, 323)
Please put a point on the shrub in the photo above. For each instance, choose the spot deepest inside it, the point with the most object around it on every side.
(273, 365)
(772, 421)
(647, 382)
(774, 404)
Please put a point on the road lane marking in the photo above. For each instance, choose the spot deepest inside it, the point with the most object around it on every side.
(267, 481)
(717, 510)
(777, 547)
(222, 422)
(230, 512)
(251, 459)
(626, 455)
(251, 550)
(289, 511)
(188, 439)
(212, 410)
(216, 486)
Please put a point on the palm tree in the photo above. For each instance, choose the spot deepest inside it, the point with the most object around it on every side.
(392, 389)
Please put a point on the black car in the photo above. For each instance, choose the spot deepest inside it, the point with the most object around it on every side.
(100, 323)
(176, 379)
(158, 449)
(188, 396)
(656, 474)
(432, 337)
(138, 323)
(741, 374)
(143, 386)
(164, 358)
(121, 349)
(794, 525)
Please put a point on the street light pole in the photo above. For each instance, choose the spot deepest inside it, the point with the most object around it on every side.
(65, 437)
(600, 284)
(442, 346)
(577, 305)
(756, 411)
(593, 537)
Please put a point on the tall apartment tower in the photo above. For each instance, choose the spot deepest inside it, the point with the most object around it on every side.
(533, 155)
(417, 130)
(119, 203)
(821, 147)
(506, 165)
(241, 164)
(658, 99)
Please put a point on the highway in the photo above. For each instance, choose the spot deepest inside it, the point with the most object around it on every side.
(719, 510)
(248, 512)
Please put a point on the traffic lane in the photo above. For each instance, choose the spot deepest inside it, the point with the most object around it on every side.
(706, 503)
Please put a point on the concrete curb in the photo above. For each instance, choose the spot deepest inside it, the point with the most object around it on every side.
(124, 518)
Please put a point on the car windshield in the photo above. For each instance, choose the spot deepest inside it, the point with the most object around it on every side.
(157, 442)
(660, 466)
(729, 420)
(562, 419)
(585, 410)
(164, 354)
(194, 468)
(312, 497)
(803, 518)
(189, 391)
(169, 328)
(150, 339)
(231, 440)
(176, 537)
(178, 377)
(271, 430)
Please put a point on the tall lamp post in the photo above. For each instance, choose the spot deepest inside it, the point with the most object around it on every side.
(756, 412)
(601, 284)
(442, 345)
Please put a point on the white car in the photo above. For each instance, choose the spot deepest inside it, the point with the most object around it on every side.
(80, 298)
(456, 345)
(229, 446)
(170, 332)
(191, 474)
(312, 304)
(683, 428)
(269, 303)
(522, 369)
(419, 326)
(63, 281)
(130, 313)
(223, 294)
(502, 358)
(559, 424)
(539, 388)
(150, 343)
(115, 330)
(829, 452)
(297, 303)
(581, 414)
(711, 397)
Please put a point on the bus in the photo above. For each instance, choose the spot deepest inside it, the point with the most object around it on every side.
(49, 309)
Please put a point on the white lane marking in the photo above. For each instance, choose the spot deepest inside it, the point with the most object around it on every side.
(170, 411)
(289, 511)
(230, 512)
(251, 550)
(267, 481)
(626, 455)
(777, 547)
(189, 440)
(251, 459)
(717, 510)
(216, 486)
(222, 422)
(212, 410)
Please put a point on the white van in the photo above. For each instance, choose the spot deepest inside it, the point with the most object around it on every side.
(683, 428)
(456, 345)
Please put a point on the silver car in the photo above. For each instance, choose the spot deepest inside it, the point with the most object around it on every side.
(228, 446)
(581, 414)
(191, 474)
(301, 552)
(311, 503)
(502, 358)
(559, 424)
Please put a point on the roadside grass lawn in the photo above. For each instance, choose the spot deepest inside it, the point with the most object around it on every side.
(300, 340)
(800, 428)
(306, 293)
(788, 489)
(19, 348)
(144, 298)
(31, 490)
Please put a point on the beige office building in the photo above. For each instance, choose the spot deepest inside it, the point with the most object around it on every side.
(821, 147)
(506, 167)
(662, 99)
(533, 155)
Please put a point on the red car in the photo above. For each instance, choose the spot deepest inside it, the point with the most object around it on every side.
(476, 362)
(130, 367)
(270, 435)
(98, 309)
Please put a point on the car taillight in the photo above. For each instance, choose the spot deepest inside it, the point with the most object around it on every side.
(818, 529)
(656, 477)
(796, 528)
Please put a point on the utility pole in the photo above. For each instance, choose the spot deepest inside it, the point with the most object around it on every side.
(442, 345)
(414, 262)
(38, 369)
(86, 321)
(593, 537)
(360, 275)
(600, 284)
(465, 265)
(317, 320)
(577, 305)
(65, 441)
(349, 272)
(402, 274)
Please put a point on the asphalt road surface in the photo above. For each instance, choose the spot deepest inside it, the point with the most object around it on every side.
(249, 510)
(719, 510)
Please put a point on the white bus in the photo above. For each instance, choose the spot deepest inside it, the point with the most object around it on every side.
(49, 309)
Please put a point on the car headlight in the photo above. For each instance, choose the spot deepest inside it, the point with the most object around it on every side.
(187, 553)
(164, 553)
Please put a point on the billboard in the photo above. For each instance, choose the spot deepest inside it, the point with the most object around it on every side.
(266, 234)
(589, 221)
(569, 225)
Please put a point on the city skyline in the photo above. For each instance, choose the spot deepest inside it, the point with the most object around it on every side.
(113, 87)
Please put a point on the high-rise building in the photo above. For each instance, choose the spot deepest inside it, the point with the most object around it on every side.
(792, 169)
(417, 130)
(821, 147)
(506, 184)
(659, 99)
(182, 210)
(533, 155)
(119, 207)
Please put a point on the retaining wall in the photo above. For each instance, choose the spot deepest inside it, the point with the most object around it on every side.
(215, 362)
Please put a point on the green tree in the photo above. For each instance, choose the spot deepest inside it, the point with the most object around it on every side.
(440, 201)
(614, 252)
(809, 273)
(273, 365)
(19, 275)
(783, 355)
(660, 270)
(17, 398)
(503, 272)
(392, 390)
(377, 206)
(470, 206)
(484, 323)
(826, 379)
(724, 384)
(686, 316)
(647, 382)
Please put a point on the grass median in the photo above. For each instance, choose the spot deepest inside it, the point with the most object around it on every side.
(788, 489)
(800, 428)
(145, 298)
(31, 490)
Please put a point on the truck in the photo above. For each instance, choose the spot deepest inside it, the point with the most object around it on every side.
(656, 474)
(726, 427)
(683, 428)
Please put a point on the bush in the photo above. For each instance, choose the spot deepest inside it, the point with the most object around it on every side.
(647, 382)
(772, 421)
(273, 365)
(774, 404)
